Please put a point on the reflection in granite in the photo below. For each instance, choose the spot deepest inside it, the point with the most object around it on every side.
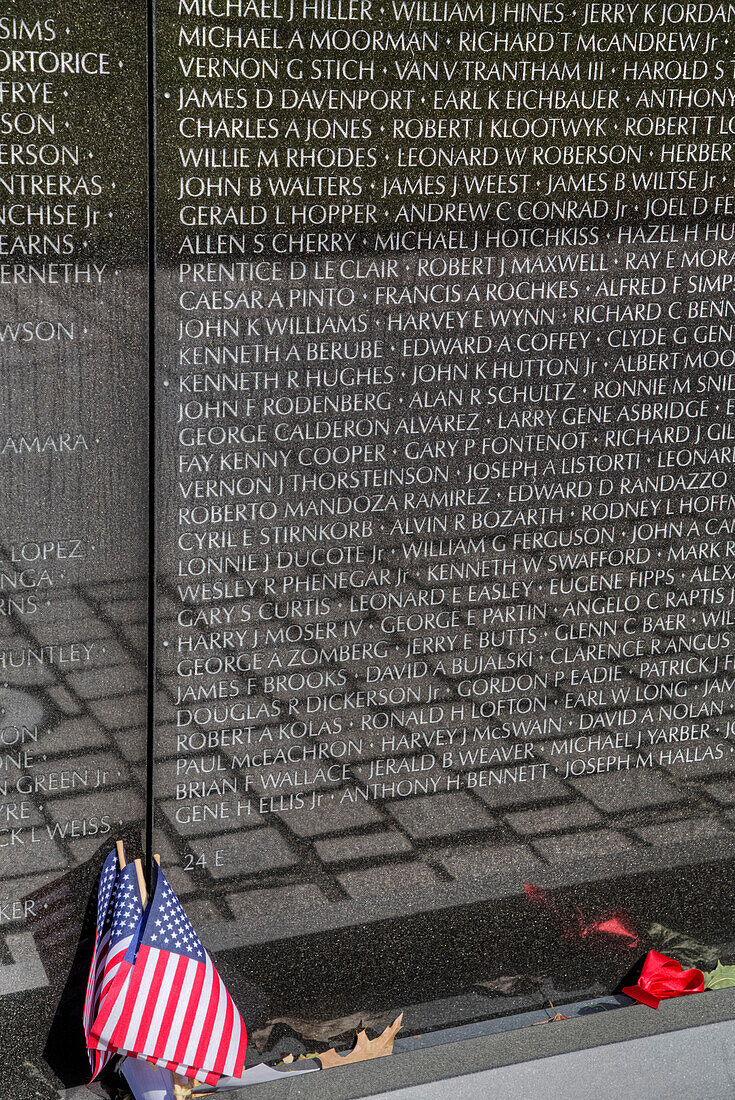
(73, 497)
(384, 868)
(393, 873)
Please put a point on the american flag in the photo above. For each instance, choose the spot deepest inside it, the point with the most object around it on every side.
(119, 913)
(172, 1008)
(105, 894)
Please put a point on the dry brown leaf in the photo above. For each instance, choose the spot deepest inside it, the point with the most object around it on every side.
(364, 1048)
(553, 1019)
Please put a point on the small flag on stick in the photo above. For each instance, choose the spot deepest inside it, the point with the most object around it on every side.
(105, 895)
(171, 1006)
(119, 913)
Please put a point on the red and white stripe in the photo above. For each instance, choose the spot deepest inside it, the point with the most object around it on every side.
(176, 1013)
(110, 993)
(97, 1058)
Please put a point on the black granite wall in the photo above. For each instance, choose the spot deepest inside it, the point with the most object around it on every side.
(73, 493)
(442, 368)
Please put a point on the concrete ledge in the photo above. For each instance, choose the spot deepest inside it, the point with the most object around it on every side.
(694, 1064)
(451, 1060)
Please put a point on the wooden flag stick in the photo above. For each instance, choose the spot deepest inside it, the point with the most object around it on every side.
(182, 1086)
(141, 883)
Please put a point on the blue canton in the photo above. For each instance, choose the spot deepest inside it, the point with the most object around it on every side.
(127, 909)
(168, 928)
(106, 892)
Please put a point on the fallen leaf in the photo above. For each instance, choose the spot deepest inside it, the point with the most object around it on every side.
(553, 1019)
(720, 978)
(364, 1048)
(688, 951)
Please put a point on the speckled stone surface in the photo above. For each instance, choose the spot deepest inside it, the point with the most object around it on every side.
(410, 899)
(73, 496)
(366, 907)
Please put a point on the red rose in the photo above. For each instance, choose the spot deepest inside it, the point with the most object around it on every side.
(662, 977)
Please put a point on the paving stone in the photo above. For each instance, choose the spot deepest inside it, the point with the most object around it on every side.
(120, 807)
(66, 608)
(253, 904)
(136, 635)
(686, 831)
(392, 880)
(698, 769)
(583, 845)
(100, 683)
(119, 713)
(27, 859)
(722, 790)
(203, 911)
(64, 700)
(33, 676)
(246, 853)
(60, 630)
(166, 714)
(552, 819)
(17, 888)
(203, 822)
(123, 589)
(167, 779)
(73, 736)
(131, 744)
(615, 792)
(440, 815)
(522, 794)
(125, 611)
(111, 653)
(346, 849)
(483, 860)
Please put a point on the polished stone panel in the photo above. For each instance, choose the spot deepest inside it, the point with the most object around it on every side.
(443, 377)
(444, 640)
(73, 495)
